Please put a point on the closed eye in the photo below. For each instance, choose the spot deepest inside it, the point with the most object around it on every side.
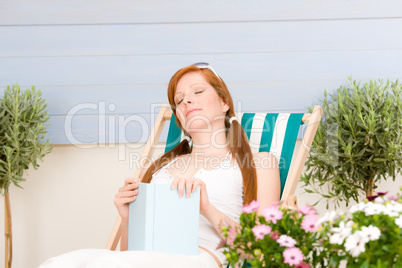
(197, 92)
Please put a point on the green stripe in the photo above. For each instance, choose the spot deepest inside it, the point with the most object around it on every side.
(268, 132)
(292, 129)
(289, 142)
(247, 123)
(174, 135)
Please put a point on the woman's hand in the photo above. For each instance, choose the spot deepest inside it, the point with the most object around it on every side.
(191, 185)
(128, 193)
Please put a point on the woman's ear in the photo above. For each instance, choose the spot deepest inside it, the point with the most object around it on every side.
(225, 106)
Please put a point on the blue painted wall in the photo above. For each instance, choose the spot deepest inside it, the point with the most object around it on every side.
(103, 66)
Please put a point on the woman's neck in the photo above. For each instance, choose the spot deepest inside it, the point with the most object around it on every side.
(211, 143)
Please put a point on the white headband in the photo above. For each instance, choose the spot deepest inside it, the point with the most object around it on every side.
(187, 138)
(231, 119)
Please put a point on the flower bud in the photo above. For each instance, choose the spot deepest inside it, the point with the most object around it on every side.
(257, 252)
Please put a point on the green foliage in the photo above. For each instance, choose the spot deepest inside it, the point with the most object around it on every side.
(358, 141)
(22, 134)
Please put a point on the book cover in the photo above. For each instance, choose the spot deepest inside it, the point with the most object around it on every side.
(160, 220)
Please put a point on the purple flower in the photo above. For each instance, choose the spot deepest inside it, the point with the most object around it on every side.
(293, 256)
(309, 223)
(307, 210)
(261, 230)
(272, 213)
(252, 207)
(286, 241)
(372, 198)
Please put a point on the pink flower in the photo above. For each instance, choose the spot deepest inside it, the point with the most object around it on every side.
(307, 210)
(261, 230)
(274, 235)
(310, 223)
(303, 265)
(272, 213)
(252, 207)
(293, 256)
(231, 235)
(286, 241)
(393, 197)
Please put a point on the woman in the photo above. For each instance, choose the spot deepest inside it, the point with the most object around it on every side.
(229, 177)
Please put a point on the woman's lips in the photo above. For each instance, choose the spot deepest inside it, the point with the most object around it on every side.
(192, 110)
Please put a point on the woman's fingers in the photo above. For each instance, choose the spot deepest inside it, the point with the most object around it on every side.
(124, 200)
(174, 183)
(180, 187)
(183, 185)
(127, 193)
(204, 199)
(196, 183)
(129, 184)
(189, 185)
(128, 181)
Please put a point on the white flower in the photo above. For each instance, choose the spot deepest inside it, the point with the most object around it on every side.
(393, 209)
(286, 241)
(341, 232)
(354, 244)
(328, 217)
(358, 207)
(370, 233)
(379, 200)
(374, 209)
(398, 221)
(336, 238)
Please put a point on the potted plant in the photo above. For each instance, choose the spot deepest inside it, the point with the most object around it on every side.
(358, 142)
(369, 234)
(22, 143)
(281, 237)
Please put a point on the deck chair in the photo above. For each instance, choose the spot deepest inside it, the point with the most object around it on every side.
(269, 132)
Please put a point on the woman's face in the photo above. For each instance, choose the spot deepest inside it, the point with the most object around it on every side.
(198, 106)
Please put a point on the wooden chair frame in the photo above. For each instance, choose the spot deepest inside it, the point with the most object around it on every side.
(292, 180)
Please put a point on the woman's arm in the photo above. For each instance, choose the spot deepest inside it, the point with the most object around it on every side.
(126, 194)
(268, 191)
(268, 180)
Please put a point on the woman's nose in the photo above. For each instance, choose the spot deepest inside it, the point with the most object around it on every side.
(188, 99)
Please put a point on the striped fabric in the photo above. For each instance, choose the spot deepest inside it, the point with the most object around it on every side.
(267, 132)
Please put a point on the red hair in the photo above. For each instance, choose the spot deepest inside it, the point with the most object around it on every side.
(238, 141)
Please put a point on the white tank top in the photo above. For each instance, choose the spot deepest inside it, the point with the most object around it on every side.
(225, 191)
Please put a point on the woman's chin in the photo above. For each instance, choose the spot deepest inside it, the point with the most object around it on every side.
(198, 126)
(196, 123)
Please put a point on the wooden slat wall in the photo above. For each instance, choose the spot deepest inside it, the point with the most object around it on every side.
(25, 12)
(98, 63)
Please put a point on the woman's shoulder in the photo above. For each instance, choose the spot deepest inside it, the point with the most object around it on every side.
(265, 160)
(164, 166)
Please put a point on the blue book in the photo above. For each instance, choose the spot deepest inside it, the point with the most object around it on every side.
(160, 220)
